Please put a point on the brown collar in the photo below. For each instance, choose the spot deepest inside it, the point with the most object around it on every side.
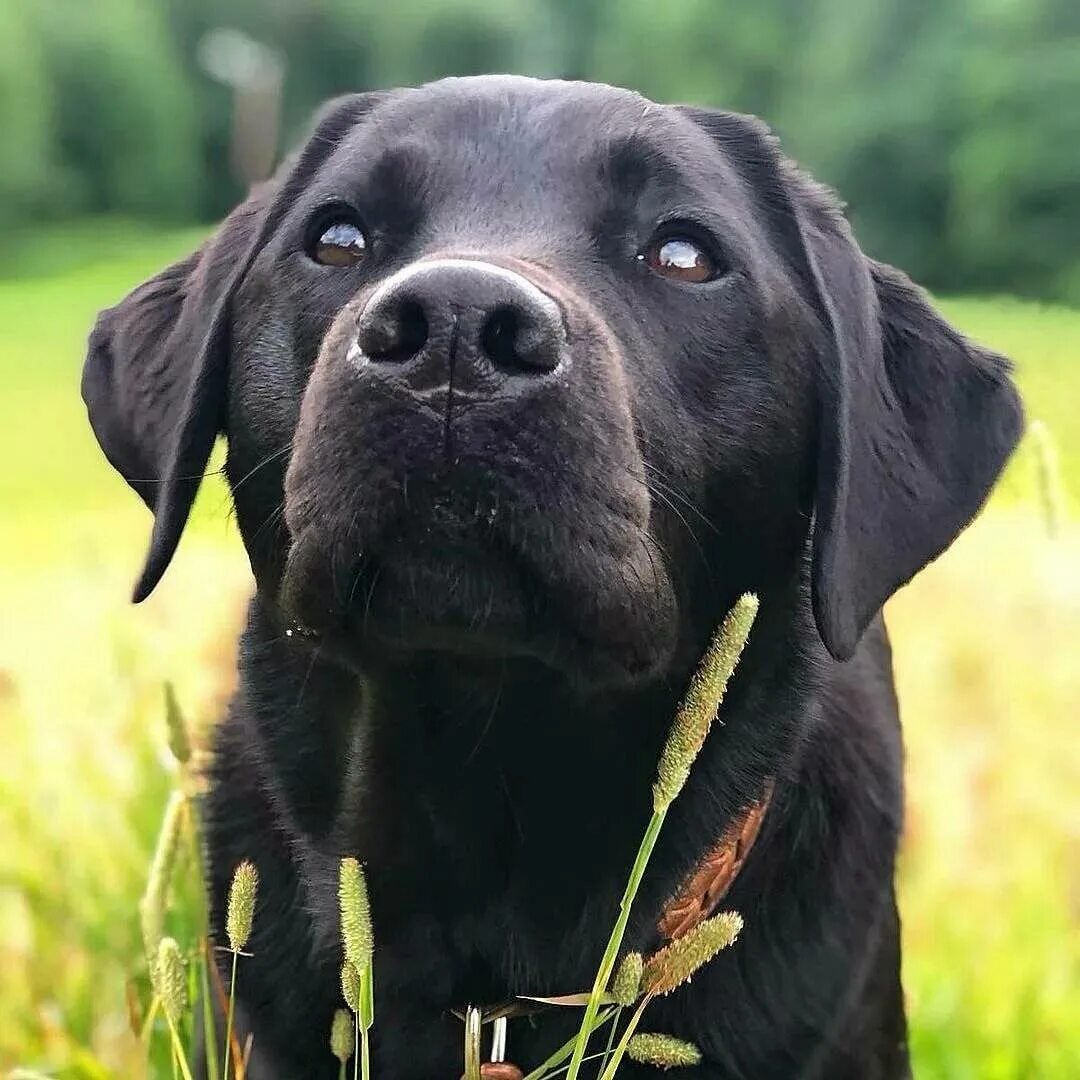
(709, 882)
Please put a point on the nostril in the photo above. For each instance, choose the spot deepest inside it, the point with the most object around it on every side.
(520, 342)
(393, 332)
(498, 338)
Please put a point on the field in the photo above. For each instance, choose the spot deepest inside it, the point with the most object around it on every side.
(986, 652)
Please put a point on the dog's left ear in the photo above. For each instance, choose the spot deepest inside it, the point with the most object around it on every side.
(915, 422)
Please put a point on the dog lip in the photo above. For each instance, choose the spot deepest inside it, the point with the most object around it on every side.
(382, 616)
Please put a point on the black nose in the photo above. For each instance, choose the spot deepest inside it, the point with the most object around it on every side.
(462, 319)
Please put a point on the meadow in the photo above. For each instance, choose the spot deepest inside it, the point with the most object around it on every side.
(986, 646)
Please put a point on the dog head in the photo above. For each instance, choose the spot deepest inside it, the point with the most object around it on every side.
(510, 367)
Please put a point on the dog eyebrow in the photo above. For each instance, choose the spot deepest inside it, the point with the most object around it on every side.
(633, 161)
(403, 169)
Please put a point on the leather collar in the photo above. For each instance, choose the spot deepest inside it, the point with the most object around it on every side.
(709, 882)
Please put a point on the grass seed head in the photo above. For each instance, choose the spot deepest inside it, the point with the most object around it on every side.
(356, 932)
(176, 725)
(170, 979)
(702, 701)
(626, 983)
(662, 1051)
(350, 986)
(1048, 471)
(240, 911)
(342, 1036)
(674, 964)
(155, 901)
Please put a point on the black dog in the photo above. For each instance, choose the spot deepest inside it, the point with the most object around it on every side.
(523, 383)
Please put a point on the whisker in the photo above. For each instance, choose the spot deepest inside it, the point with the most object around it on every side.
(370, 594)
(272, 519)
(165, 479)
(659, 477)
(273, 456)
(307, 678)
(491, 715)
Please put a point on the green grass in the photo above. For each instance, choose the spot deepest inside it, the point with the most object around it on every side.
(985, 652)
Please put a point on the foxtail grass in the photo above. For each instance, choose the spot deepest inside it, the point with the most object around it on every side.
(687, 736)
(1048, 476)
(665, 971)
(676, 962)
(358, 941)
(170, 986)
(662, 1051)
(626, 985)
(239, 916)
(155, 900)
(176, 727)
(342, 1039)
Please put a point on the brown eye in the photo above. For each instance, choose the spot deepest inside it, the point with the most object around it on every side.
(341, 243)
(681, 259)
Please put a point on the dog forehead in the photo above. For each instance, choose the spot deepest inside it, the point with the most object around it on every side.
(513, 133)
(513, 107)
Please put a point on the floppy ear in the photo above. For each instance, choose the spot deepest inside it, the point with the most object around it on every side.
(156, 372)
(915, 422)
(155, 377)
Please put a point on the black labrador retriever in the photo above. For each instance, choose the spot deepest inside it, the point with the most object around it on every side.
(523, 383)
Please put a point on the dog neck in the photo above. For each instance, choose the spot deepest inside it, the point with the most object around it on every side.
(498, 777)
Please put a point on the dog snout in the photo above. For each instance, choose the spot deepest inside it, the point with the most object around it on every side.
(461, 320)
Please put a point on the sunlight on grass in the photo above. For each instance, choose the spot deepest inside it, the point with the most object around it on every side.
(985, 645)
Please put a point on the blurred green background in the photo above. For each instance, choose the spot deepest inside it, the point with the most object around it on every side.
(951, 128)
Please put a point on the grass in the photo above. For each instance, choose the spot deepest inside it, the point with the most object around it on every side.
(990, 876)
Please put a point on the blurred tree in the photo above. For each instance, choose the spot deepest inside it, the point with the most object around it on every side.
(953, 131)
(124, 128)
(27, 174)
(711, 52)
(1014, 215)
(872, 108)
(951, 127)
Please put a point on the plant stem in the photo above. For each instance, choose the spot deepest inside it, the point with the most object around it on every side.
(559, 1072)
(148, 1023)
(611, 953)
(229, 1023)
(564, 1051)
(624, 1042)
(178, 1050)
(209, 1032)
(365, 1017)
(209, 1027)
(365, 1056)
(612, 1033)
(359, 1042)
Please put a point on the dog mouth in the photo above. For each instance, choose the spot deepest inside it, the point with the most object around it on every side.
(474, 585)
(418, 591)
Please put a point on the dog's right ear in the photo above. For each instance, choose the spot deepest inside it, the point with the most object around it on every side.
(155, 377)
(156, 373)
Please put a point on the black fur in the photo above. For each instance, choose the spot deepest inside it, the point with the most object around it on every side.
(504, 576)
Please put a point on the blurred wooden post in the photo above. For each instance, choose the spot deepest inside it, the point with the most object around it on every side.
(256, 75)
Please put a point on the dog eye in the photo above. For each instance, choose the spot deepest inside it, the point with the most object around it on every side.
(680, 258)
(339, 243)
